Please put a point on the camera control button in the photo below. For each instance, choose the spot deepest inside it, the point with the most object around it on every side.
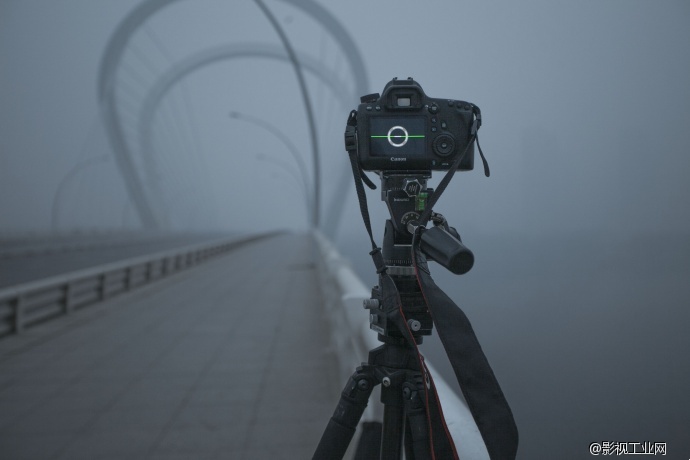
(433, 108)
(369, 98)
(444, 145)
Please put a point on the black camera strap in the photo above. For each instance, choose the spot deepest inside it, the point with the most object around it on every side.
(478, 383)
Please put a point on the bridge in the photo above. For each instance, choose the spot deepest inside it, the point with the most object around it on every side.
(141, 319)
(206, 363)
(182, 258)
(214, 349)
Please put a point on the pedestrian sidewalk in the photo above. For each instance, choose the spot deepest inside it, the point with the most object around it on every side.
(228, 360)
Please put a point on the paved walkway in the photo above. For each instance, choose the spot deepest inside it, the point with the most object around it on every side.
(227, 360)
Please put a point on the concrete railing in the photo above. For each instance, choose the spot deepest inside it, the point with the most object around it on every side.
(343, 293)
(27, 304)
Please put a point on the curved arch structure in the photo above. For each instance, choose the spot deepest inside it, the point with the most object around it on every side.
(180, 70)
(111, 61)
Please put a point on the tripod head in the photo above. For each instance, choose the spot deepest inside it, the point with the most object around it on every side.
(406, 194)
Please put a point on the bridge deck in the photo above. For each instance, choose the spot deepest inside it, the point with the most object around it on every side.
(227, 360)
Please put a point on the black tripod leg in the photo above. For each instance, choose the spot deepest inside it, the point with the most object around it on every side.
(418, 429)
(409, 448)
(419, 435)
(393, 425)
(343, 424)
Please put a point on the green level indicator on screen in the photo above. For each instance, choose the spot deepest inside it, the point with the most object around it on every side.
(410, 136)
(398, 136)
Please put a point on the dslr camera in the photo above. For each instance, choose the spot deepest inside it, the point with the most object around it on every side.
(405, 130)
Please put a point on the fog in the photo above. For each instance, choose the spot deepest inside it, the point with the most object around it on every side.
(579, 294)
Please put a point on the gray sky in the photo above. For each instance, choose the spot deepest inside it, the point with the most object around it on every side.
(584, 103)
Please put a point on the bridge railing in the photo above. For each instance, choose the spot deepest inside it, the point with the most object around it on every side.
(343, 293)
(25, 305)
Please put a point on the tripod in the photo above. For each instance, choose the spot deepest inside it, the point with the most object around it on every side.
(400, 312)
(395, 366)
(401, 324)
(402, 304)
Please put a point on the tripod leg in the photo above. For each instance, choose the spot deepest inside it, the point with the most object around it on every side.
(404, 412)
(343, 424)
(393, 425)
(416, 421)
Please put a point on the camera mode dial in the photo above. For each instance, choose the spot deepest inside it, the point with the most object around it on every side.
(444, 145)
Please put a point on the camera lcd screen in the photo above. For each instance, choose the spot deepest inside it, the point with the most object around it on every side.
(397, 136)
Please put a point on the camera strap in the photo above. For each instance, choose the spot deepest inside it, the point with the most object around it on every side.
(477, 381)
(473, 372)
(474, 138)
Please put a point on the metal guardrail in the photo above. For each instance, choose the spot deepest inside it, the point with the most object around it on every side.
(17, 246)
(343, 292)
(27, 304)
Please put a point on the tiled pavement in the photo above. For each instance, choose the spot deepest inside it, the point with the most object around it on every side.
(228, 360)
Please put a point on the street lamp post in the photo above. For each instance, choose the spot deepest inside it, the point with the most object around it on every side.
(297, 67)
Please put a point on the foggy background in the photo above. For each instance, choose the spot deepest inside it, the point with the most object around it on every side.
(580, 290)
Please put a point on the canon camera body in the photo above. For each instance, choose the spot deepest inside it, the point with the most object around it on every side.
(405, 130)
